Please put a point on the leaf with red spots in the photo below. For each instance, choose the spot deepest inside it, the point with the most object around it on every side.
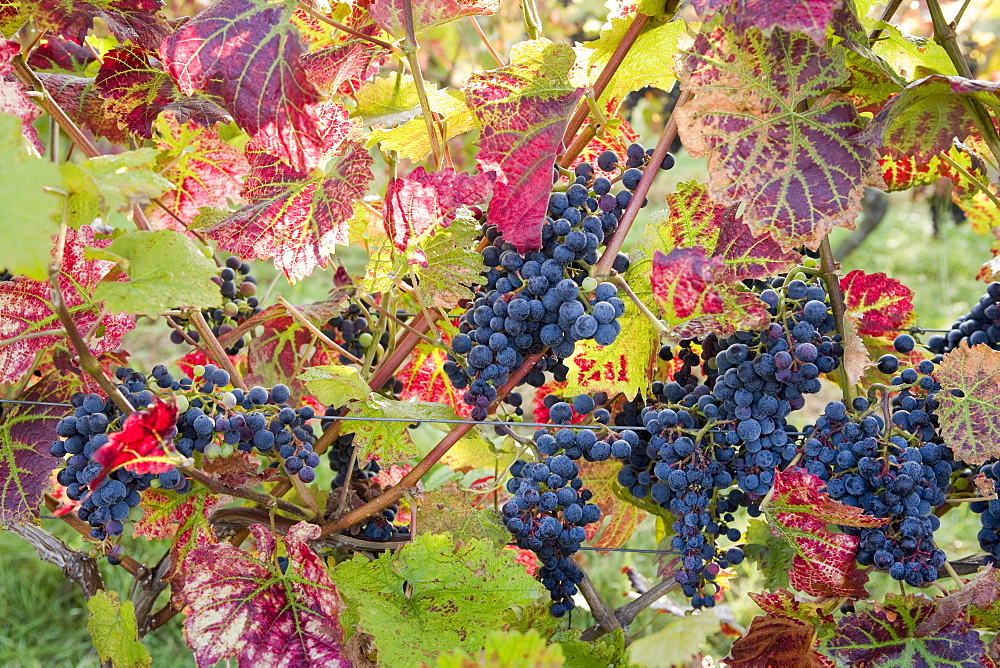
(461, 513)
(889, 634)
(777, 642)
(78, 97)
(136, 21)
(140, 445)
(137, 91)
(243, 606)
(424, 202)
(294, 217)
(908, 172)
(784, 603)
(427, 13)
(925, 117)
(353, 60)
(683, 283)
(26, 307)
(424, 379)
(205, 169)
(806, 16)
(881, 304)
(12, 98)
(260, 79)
(619, 519)
(776, 141)
(180, 518)
(522, 110)
(824, 562)
(969, 410)
(25, 435)
(56, 53)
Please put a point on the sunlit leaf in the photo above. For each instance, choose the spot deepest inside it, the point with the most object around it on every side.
(969, 402)
(390, 14)
(12, 98)
(114, 631)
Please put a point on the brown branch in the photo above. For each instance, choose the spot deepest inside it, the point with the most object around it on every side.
(221, 358)
(264, 500)
(887, 14)
(79, 567)
(624, 615)
(603, 267)
(150, 583)
(603, 615)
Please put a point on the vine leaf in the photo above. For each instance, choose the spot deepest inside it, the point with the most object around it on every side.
(425, 202)
(458, 512)
(104, 184)
(25, 435)
(389, 442)
(683, 283)
(261, 81)
(205, 169)
(335, 385)
(78, 97)
(424, 379)
(26, 307)
(137, 91)
(411, 140)
(969, 421)
(389, 14)
(771, 554)
(355, 58)
(151, 259)
(140, 445)
(798, 171)
(507, 649)
(775, 640)
(114, 631)
(927, 115)
(12, 98)
(31, 214)
(452, 586)
(806, 16)
(888, 634)
(297, 218)
(180, 518)
(56, 53)
(137, 21)
(619, 519)
(824, 561)
(244, 606)
(522, 111)
(879, 303)
(908, 172)
(981, 591)
(786, 604)
(857, 358)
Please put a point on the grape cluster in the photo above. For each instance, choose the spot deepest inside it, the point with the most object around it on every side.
(891, 471)
(239, 303)
(981, 325)
(115, 499)
(353, 330)
(989, 514)
(544, 298)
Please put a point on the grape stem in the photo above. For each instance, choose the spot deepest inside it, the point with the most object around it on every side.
(972, 179)
(972, 499)
(87, 360)
(32, 335)
(410, 48)
(220, 356)
(828, 272)
(304, 321)
(657, 325)
(489, 46)
(423, 337)
(264, 500)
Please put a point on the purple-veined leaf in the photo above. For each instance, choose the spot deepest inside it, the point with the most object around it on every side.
(25, 435)
(12, 98)
(243, 606)
(522, 111)
(777, 642)
(26, 307)
(390, 14)
(298, 218)
(806, 16)
(927, 115)
(78, 97)
(969, 410)
(683, 283)
(888, 634)
(55, 53)
(880, 303)
(260, 79)
(824, 564)
(205, 170)
(799, 171)
(137, 91)
(136, 21)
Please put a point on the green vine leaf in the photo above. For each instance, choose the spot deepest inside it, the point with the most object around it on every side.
(114, 632)
(335, 385)
(507, 649)
(390, 442)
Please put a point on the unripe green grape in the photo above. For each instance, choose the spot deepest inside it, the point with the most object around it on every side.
(207, 252)
(380, 350)
(182, 403)
(154, 483)
(213, 450)
(228, 399)
(198, 371)
(231, 309)
(365, 339)
(810, 262)
(589, 284)
(137, 513)
(225, 449)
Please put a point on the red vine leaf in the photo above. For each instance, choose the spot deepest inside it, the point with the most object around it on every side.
(426, 201)
(777, 642)
(784, 603)
(205, 170)
(136, 21)
(25, 435)
(684, 283)
(777, 142)
(424, 379)
(969, 410)
(354, 60)
(427, 13)
(180, 518)
(824, 562)
(12, 98)
(139, 446)
(261, 80)
(137, 91)
(243, 606)
(522, 112)
(26, 307)
(619, 519)
(806, 16)
(888, 635)
(879, 303)
(56, 53)
(78, 97)
(298, 218)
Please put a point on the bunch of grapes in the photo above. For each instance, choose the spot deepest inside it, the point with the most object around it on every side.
(115, 499)
(239, 303)
(354, 331)
(981, 325)
(544, 298)
(989, 514)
